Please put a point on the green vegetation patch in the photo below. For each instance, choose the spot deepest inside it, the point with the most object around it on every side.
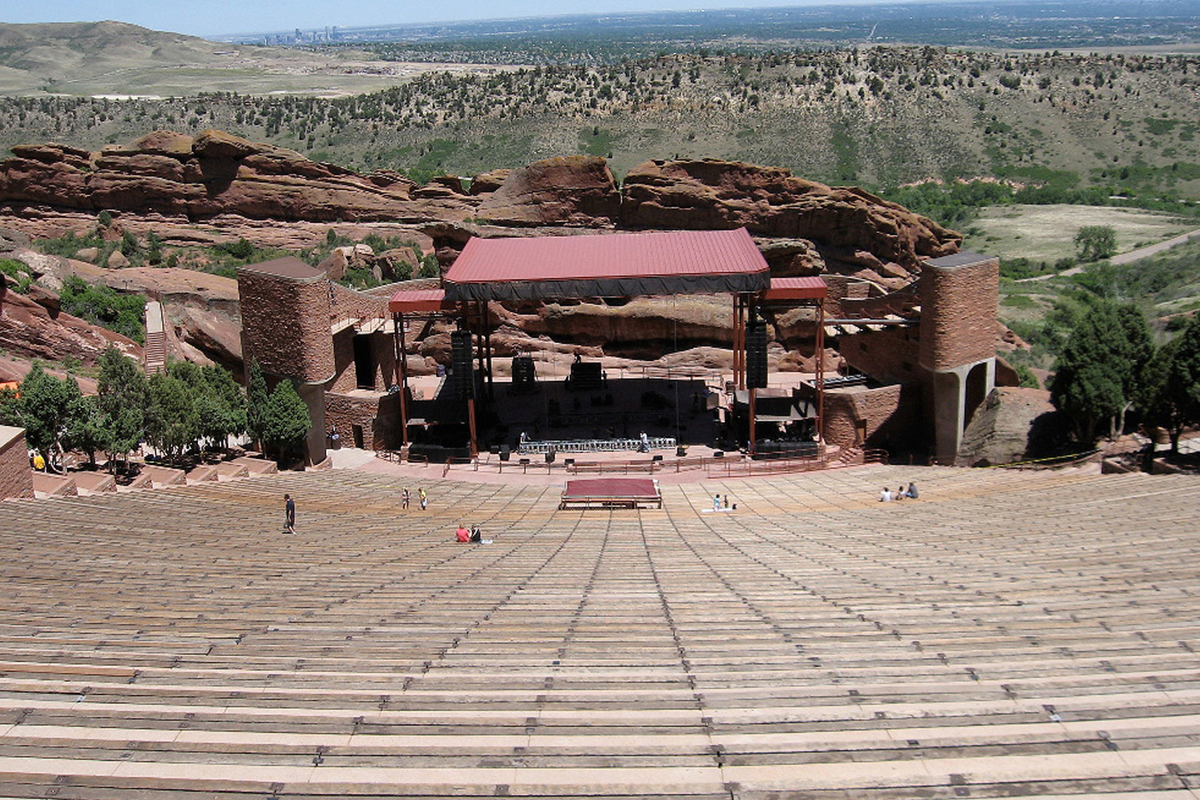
(18, 273)
(597, 141)
(100, 305)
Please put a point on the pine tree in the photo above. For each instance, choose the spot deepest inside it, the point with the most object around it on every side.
(121, 403)
(286, 421)
(1100, 368)
(256, 402)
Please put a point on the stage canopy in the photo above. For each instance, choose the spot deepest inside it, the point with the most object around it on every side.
(608, 265)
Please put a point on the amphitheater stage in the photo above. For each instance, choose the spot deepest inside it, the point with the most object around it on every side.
(1009, 634)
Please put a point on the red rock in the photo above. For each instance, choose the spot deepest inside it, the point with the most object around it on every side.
(219, 144)
(770, 201)
(487, 182)
(28, 329)
(53, 154)
(574, 190)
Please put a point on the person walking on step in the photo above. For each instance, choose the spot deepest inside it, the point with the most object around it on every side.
(404, 497)
(289, 509)
(424, 498)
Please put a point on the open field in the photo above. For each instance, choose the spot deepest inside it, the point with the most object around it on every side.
(1047, 233)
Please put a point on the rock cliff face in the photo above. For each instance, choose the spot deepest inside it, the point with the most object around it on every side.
(211, 174)
(217, 187)
(845, 224)
(803, 226)
(32, 330)
(577, 190)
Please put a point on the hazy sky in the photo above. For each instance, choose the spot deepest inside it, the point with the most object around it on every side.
(245, 16)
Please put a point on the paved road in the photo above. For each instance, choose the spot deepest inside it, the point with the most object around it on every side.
(1154, 249)
(1126, 258)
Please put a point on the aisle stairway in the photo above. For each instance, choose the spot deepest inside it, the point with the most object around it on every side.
(1006, 635)
(154, 351)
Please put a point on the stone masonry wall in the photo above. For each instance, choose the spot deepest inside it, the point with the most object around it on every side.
(378, 416)
(958, 314)
(383, 357)
(888, 355)
(16, 478)
(891, 415)
(285, 325)
(347, 303)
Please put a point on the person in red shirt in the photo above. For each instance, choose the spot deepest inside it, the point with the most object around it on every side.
(462, 534)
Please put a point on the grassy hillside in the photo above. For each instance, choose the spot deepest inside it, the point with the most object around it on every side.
(878, 117)
(82, 59)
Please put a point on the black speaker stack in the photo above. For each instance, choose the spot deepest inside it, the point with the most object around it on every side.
(462, 376)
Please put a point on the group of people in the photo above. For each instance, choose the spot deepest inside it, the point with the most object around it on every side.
(289, 509)
(422, 499)
(468, 536)
(887, 495)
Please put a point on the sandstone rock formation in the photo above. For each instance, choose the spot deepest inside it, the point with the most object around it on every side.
(851, 224)
(32, 330)
(217, 187)
(1003, 428)
(576, 190)
(211, 174)
(200, 310)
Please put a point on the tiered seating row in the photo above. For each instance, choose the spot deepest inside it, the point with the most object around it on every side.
(1006, 635)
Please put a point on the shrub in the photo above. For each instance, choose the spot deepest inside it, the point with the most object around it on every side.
(21, 279)
(121, 313)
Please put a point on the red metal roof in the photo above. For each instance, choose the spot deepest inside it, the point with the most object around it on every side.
(808, 288)
(411, 301)
(615, 255)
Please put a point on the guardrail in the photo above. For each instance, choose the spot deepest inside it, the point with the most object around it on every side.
(728, 466)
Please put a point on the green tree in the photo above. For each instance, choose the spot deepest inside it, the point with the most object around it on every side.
(286, 421)
(1096, 242)
(1172, 388)
(88, 430)
(48, 409)
(256, 401)
(216, 400)
(1161, 403)
(121, 400)
(1100, 367)
(172, 424)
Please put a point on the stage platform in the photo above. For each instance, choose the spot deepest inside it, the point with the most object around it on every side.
(611, 493)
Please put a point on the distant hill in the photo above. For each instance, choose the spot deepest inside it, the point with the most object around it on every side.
(54, 56)
(878, 116)
(118, 59)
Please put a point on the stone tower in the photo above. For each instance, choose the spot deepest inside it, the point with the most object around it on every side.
(285, 312)
(959, 300)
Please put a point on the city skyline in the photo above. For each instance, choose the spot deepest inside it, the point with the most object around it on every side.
(224, 17)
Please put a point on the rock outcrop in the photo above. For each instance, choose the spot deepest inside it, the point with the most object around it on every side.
(576, 190)
(211, 174)
(850, 224)
(803, 227)
(31, 330)
(1006, 427)
(217, 187)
